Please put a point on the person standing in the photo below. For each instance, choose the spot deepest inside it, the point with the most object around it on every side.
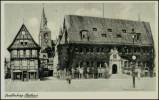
(88, 72)
(68, 79)
(73, 72)
(81, 72)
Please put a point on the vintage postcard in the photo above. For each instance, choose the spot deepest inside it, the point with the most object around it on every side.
(79, 50)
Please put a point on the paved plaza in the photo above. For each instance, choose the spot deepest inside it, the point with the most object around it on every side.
(51, 84)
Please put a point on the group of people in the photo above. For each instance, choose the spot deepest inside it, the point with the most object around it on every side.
(84, 72)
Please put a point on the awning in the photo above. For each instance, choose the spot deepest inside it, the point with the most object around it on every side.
(32, 71)
(17, 71)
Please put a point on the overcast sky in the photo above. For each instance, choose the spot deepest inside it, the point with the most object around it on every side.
(31, 13)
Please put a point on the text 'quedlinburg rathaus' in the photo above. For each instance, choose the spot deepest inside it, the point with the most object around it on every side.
(85, 46)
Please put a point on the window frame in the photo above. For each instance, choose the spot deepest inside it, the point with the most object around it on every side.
(109, 30)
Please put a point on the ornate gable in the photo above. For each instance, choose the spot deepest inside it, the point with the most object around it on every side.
(23, 40)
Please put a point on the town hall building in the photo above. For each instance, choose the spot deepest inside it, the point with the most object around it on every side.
(104, 43)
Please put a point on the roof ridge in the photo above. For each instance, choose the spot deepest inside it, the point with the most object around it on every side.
(106, 18)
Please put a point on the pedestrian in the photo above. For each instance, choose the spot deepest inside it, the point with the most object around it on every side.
(81, 72)
(68, 79)
(88, 72)
(73, 72)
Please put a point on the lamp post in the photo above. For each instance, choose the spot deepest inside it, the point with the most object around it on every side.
(133, 64)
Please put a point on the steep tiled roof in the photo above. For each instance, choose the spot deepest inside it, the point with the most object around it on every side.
(23, 40)
(75, 24)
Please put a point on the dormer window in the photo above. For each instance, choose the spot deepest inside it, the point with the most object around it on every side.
(84, 34)
(109, 30)
(118, 35)
(124, 30)
(94, 29)
(104, 35)
(138, 36)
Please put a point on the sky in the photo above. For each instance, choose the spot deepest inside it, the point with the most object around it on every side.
(30, 14)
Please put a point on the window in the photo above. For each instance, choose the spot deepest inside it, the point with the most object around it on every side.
(81, 63)
(24, 62)
(21, 53)
(21, 43)
(87, 63)
(91, 49)
(23, 32)
(34, 53)
(94, 29)
(16, 63)
(31, 62)
(14, 53)
(138, 36)
(27, 53)
(98, 64)
(104, 35)
(87, 50)
(76, 49)
(109, 30)
(44, 56)
(114, 56)
(84, 34)
(118, 35)
(102, 49)
(24, 52)
(98, 49)
(25, 43)
(124, 30)
(80, 50)
(45, 35)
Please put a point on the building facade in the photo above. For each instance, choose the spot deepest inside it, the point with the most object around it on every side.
(93, 44)
(24, 56)
(7, 68)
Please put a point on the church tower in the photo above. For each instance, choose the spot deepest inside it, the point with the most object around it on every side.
(45, 33)
(46, 52)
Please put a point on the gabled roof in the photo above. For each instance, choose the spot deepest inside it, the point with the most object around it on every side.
(75, 24)
(23, 36)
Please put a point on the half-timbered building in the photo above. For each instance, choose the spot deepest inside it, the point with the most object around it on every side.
(24, 56)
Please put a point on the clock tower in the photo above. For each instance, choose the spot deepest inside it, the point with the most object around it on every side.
(46, 52)
(45, 33)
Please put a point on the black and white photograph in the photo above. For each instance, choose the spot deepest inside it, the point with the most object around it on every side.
(78, 48)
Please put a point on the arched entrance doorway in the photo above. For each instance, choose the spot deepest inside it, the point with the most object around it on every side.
(114, 69)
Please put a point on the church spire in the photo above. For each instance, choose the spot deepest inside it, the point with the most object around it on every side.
(43, 23)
